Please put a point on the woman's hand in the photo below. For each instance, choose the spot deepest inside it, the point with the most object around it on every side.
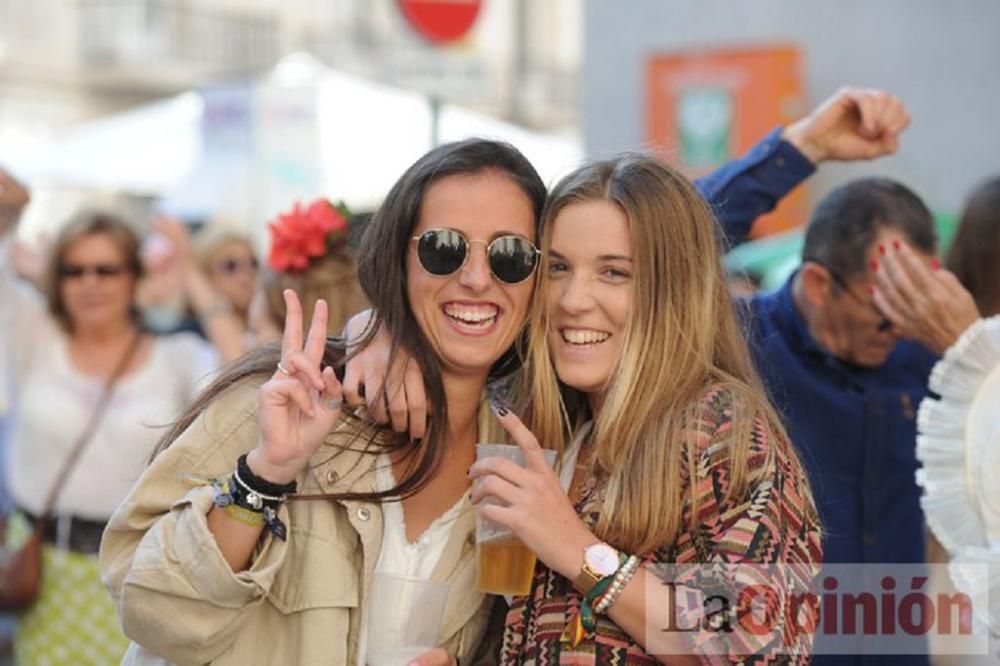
(405, 402)
(300, 403)
(537, 509)
(927, 305)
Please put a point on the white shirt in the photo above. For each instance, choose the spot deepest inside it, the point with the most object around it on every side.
(50, 403)
(400, 557)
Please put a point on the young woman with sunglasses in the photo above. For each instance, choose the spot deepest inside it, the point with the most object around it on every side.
(232, 572)
(61, 351)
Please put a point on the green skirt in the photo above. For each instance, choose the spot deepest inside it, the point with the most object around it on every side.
(73, 621)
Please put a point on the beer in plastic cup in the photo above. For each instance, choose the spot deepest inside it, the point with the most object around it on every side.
(504, 565)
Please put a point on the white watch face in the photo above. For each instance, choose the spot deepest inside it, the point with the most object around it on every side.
(602, 559)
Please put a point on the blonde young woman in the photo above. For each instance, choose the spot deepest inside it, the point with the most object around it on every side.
(672, 452)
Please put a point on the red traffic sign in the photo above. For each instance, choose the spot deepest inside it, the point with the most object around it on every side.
(441, 20)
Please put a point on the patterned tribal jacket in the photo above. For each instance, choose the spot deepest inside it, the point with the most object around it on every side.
(772, 534)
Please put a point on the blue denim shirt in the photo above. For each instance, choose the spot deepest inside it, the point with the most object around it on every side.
(854, 428)
(744, 189)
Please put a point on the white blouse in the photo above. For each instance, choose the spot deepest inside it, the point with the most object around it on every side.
(49, 403)
(400, 557)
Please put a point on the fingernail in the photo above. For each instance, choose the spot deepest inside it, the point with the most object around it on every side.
(881, 249)
(498, 402)
(935, 264)
(895, 244)
(503, 411)
(874, 265)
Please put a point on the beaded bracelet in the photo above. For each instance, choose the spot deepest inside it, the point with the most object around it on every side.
(621, 579)
(253, 501)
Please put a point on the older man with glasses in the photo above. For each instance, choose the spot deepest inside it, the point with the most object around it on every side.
(846, 382)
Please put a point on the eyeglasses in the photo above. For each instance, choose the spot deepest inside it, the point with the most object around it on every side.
(441, 252)
(231, 266)
(76, 272)
(884, 324)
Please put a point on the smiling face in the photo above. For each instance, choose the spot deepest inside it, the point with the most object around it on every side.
(590, 292)
(469, 317)
(96, 283)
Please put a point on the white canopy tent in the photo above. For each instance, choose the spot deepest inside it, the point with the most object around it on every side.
(143, 150)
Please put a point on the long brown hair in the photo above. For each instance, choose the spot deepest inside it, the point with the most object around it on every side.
(682, 341)
(974, 256)
(382, 275)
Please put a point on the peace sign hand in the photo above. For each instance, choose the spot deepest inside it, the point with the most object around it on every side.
(300, 403)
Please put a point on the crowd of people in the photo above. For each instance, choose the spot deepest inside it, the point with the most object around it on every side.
(223, 458)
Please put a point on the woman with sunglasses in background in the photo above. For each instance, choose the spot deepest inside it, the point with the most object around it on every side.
(228, 260)
(61, 352)
(204, 285)
(229, 572)
(234, 309)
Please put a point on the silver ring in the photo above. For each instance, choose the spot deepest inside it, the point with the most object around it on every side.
(283, 369)
(333, 403)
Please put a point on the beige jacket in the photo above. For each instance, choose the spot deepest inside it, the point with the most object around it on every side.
(301, 601)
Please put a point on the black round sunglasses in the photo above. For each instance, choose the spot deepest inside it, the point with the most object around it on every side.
(441, 252)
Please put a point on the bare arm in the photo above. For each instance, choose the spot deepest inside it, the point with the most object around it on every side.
(391, 388)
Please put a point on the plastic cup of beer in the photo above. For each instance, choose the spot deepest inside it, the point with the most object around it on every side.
(404, 618)
(504, 565)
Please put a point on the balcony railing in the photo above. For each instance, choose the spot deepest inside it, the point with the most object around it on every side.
(155, 32)
(136, 40)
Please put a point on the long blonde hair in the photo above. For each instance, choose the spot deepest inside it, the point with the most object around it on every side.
(682, 341)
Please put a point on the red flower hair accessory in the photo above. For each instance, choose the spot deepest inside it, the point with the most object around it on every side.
(301, 235)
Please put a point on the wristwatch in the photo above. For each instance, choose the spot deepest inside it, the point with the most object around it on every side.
(599, 561)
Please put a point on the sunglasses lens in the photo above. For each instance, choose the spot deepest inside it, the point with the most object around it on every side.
(513, 259)
(441, 251)
(100, 270)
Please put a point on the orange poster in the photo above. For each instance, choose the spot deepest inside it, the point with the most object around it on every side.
(705, 107)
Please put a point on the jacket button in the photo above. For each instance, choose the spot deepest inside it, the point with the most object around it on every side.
(364, 514)
(332, 477)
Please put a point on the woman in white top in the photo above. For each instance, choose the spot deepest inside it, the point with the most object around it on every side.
(60, 352)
